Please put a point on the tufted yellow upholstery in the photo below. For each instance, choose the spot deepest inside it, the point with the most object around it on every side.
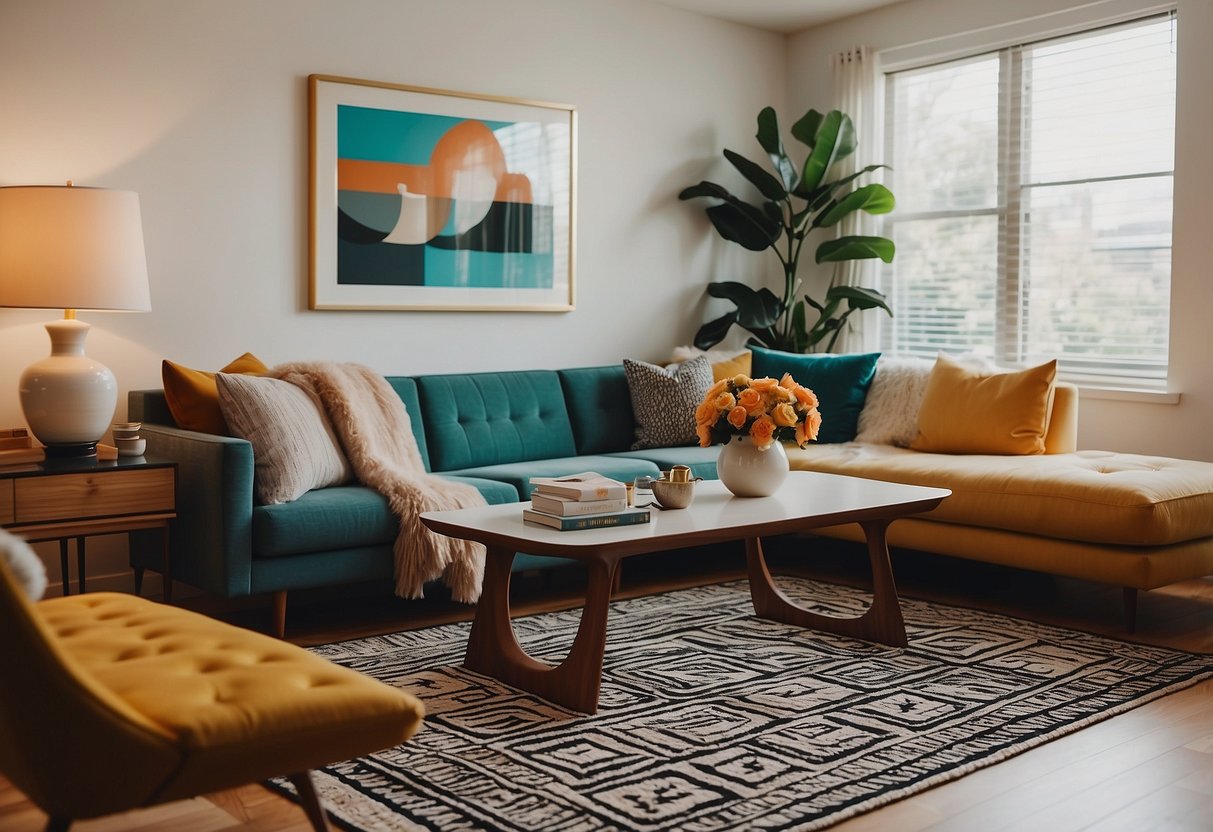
(1138, 521)
(109, 702)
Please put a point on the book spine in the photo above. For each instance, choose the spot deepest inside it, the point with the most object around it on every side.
(594, 521)
(604, 520)
(570, 508)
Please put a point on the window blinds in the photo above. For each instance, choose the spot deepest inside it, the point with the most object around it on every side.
(1034, 203)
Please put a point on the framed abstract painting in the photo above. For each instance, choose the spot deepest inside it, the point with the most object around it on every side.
(436, 200)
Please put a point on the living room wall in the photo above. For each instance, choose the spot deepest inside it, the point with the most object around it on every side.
(1106, 421)
(202, 109)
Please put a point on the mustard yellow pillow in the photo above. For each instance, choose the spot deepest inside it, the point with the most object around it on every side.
(737, 365)
(966, 410)
(193, 397)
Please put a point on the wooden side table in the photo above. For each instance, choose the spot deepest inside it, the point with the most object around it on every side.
(62, 499)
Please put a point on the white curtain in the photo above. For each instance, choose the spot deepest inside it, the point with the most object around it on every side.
(856, 93)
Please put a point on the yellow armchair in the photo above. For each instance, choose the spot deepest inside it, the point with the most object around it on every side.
(109, 702)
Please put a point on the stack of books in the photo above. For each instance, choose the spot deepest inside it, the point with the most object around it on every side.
(581, 501)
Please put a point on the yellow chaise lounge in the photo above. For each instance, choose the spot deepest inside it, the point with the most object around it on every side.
(109, 702)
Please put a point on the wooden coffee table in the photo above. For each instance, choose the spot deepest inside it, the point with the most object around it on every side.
(805, 501)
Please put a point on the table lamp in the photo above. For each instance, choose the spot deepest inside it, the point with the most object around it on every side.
(70, 248)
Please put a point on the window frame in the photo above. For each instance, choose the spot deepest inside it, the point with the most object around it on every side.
(1007, 44)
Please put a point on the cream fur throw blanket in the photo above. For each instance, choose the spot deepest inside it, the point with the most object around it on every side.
(373, 427)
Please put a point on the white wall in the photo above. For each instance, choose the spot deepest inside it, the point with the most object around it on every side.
(1181, 429)
(201, 107)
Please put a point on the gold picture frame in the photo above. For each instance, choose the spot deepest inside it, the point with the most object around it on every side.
(428, 199)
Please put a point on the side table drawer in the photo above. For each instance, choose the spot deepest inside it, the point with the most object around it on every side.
(6, 502)
(79, 496)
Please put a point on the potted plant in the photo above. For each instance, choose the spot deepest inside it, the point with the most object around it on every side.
(796, 202)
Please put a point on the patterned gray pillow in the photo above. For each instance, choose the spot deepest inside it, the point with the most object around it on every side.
(664, 403)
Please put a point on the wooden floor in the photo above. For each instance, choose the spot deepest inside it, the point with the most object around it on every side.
(1149, 769)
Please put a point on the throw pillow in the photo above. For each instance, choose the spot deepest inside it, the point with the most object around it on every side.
(192, 397)
(968, 410)
(890, 412)
(23, 564)
(294, 448)
(664, 403)
(725, 363)
(840, 382)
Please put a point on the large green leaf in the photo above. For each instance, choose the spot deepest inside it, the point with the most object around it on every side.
(713, 332)
(768, 136)
(855, 248)
(766, 184)
(742, 223)
(875, 199)
(857, 297)
(805, 129)
(705, 188)
(825, 149)
(756, 309)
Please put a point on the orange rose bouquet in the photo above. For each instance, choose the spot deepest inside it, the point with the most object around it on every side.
(763, 409)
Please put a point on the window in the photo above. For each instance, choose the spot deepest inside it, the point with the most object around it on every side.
(1034, 204)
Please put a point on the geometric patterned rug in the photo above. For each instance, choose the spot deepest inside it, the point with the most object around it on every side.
(712, 719)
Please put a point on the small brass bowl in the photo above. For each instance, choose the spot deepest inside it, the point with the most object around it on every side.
(673, 494)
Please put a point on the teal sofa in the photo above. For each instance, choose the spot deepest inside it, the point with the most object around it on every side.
(493, 430)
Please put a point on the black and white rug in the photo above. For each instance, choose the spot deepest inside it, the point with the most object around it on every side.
(712, 719)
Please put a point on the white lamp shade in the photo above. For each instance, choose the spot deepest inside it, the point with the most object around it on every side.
(63, 247)
(70, 248)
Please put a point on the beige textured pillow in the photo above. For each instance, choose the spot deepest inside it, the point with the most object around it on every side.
(294, 449)
(975, 411)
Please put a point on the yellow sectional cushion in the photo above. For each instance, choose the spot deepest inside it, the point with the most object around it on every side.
(968, 410)
(1091, 496)
(729, 367)
(204, 683)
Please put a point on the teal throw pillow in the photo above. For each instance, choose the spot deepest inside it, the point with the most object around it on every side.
(840, 382)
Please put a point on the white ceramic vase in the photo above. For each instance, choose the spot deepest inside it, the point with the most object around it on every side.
(749, 472)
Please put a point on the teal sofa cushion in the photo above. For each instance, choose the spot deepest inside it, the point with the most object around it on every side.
(482, 419)
(342, 517)
(840, 382)
(600, 408)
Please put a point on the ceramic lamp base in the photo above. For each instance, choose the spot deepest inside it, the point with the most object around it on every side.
(67, 398)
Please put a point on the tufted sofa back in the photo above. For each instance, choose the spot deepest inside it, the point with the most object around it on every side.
(474, 419)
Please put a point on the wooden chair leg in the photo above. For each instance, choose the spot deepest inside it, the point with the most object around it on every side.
(309, 800)
(280, 614)
(58, 824)
(138, 580)
(1130, 605)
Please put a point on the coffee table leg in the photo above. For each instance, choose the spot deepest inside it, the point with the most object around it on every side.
(881, 622)
(493, 649)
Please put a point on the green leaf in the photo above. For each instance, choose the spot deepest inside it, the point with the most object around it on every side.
(767, 185)
(756, 309)
(846, 138)
(768, 136)
(799, 335)
(855, 248)
(805, 130)
(773, 210)
(875, 199)
(742, 223)
(713, 332)
(705, 188)
(824, 150)
(857, 297)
